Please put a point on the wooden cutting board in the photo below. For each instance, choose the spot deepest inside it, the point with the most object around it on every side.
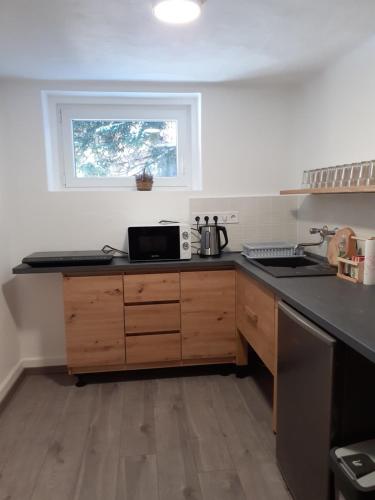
(333, 249)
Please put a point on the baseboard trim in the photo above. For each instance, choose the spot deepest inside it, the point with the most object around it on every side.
(31, 366)
(45, 370)
(42, 362)
(10, 384)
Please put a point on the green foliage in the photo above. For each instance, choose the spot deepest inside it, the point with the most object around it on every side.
(116, 148)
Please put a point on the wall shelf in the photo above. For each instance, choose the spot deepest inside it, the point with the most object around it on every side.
(338, 190)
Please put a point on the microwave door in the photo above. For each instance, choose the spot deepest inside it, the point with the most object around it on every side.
(154, 243)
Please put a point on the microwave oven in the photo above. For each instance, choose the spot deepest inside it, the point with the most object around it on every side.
(159, 242)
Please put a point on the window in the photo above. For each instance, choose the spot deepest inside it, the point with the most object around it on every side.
(121, 148)
(103, 141)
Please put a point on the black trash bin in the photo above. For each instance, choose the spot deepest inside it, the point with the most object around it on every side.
(354, 470)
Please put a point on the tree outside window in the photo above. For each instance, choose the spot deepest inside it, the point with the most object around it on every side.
(123, 148)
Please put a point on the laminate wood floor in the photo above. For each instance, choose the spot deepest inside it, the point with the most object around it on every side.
(190, 438)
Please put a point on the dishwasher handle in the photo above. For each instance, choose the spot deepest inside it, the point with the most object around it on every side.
(306, 324)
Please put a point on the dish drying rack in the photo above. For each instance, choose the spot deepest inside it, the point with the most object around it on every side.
(269, 250)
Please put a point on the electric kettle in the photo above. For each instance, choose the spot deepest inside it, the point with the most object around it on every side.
(210, 239)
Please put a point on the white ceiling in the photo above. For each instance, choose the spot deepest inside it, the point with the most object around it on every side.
(121, 40)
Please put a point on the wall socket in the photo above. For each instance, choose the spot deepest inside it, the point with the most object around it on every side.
(224, 217)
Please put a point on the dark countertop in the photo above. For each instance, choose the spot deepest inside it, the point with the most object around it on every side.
(344, 310)
(122, 265)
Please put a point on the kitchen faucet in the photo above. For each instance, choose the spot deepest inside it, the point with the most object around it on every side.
(323, 232)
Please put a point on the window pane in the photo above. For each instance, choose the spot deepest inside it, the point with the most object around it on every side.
(122, 148)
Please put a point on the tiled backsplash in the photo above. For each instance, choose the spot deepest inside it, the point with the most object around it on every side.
(289, 218)
(354, 210)
(261, 218)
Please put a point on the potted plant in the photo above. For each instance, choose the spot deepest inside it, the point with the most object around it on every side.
(144, 180)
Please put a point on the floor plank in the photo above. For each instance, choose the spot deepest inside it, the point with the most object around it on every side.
(59, 472)
(137, 478)
(238, 424)
(138, 433)
(97, 477)
(21, 469)
(259, 410)
(255, 464)
(17, 418)
(177, 473)
(223, 485)
(209, 444)
(197, 438)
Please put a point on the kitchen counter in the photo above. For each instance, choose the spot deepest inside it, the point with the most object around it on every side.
(344, 310)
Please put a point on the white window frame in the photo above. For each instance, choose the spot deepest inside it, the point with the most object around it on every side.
(60, 108)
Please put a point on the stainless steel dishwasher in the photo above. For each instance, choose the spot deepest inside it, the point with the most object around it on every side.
(306, 358)
(324, 399)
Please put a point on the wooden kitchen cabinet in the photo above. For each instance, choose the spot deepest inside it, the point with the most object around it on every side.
(94, 321)
(208, 314)
(163, 319)
(256, 318)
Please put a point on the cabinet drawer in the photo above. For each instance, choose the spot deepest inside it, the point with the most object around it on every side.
(152, 318)
(153, 348)
(151, 287)
(256, 318)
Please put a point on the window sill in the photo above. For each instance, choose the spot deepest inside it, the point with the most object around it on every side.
(105, 189)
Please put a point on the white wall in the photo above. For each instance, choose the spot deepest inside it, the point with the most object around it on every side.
(245, 151)
(255, 141)
(335, 124)
(9, 344)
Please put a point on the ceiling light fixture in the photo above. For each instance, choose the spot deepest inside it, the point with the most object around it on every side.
(177, 11)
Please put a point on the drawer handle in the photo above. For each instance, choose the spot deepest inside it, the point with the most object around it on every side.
(251, 315)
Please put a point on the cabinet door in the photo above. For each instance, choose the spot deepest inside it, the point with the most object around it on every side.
(94, 321)
(256, 318)
(208, 314)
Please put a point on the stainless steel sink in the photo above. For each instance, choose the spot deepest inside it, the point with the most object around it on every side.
(284, 267)
(286, 262)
